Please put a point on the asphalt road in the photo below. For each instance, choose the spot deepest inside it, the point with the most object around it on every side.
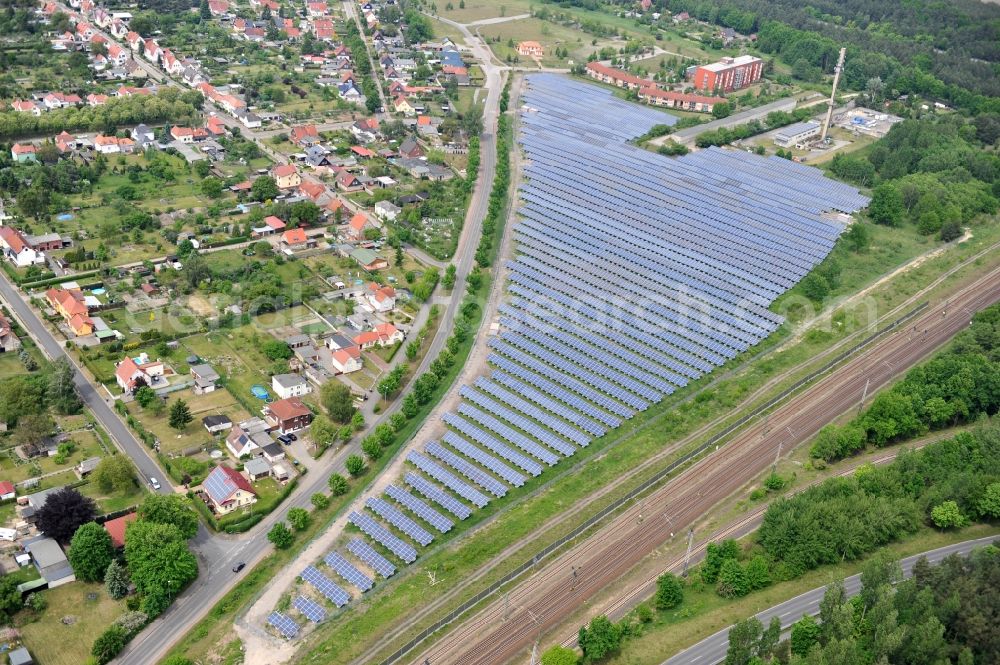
(713, 649)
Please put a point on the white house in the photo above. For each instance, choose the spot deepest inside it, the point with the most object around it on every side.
(290, 385)
(346, 360)
(17, 250)
(386, 210)
(381, 298)
(106, 145)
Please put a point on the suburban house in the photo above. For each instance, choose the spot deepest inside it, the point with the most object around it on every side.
(50, 560)
(257, 468)
(356, 227)
(205, 378)
(381, 298)
(290, 385)
(288, 415)
(8, 340)
(348, 182)
(402, 105)
(347, 359)
(286, 176)
(410, 149)
(304, 135)
(23, 152)
(369, 260)
(271, 226)
(116, 529)
(71, 305)
(216, 424)
(387, 210)
(296, 240)
(17, 249)
(388, 334)
(530, 49)
(228, 490)
(246, 438)
(134, 373)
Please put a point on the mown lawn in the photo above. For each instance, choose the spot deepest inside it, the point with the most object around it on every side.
(88, 611)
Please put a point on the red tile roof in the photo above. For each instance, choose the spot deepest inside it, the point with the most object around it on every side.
(286, 409)
(6, 487)
(116, 528)
(294, 236)
(284, 170)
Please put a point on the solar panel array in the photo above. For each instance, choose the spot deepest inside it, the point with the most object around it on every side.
(382, 535)
(347, 571)
(285, 625)
(330, 590)
(395, 517)
(634, 275)
(373, 559)
(419, 508)
(310, 609)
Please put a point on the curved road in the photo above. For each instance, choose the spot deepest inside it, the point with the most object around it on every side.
(544, 599)
(713, 649)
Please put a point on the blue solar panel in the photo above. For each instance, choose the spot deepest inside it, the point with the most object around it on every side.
(495, 466)
(448, 479)
(379, 533)
(283, 624)
(326, 586)
(437, 495)
(391, 514)
(467, 469)
(420, 509)
(347, 572)
(373, 559)
(309, 609)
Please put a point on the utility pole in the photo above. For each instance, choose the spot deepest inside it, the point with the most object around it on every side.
(687, 555)
(833, 94)
(506, 606)
(864, 395)
(777, 455)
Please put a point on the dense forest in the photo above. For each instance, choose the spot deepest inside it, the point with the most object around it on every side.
(936, 48)
(944, 613)
(945, 484)
(958, 385)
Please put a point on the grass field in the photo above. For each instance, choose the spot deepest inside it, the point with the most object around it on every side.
(90, 610)
(219, 402)
(503, 39)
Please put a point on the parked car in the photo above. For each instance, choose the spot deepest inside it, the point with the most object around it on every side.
(284, 439)
(292, 436)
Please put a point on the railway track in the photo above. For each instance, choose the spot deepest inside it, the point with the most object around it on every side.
(508, 625)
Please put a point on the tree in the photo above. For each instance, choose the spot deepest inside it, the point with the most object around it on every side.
(170, 509)
(758, 573)
(449, 276)
(264, 188)
(211, 187)
(886, 206)
(744, 637)
(322, 431)
(90, 552)
(116, 580)
(145, 396)
(371, 447)
(559, 655)
(280, 536)
(298, 518)
(805, 633)
(203, 10)
(61, 388)
(715, 554)
(858, 237)
(948, 515)
(180, 415)
(159, 562)
(275, 349)
(65, 511)
(669, 593)
(989, 504)
(338, 484)
(109, 644)
(722, 110)
(10, 597)
(115, 473)
(733, 581)
(355, 465)
(33, 428)
(599, 638)
(319, 500)
(338, 401)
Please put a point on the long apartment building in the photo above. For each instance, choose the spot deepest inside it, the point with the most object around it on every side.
(728, 74)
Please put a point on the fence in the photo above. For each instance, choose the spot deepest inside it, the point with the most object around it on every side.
(648, 484)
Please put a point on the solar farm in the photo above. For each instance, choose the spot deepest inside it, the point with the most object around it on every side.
(634, 274)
